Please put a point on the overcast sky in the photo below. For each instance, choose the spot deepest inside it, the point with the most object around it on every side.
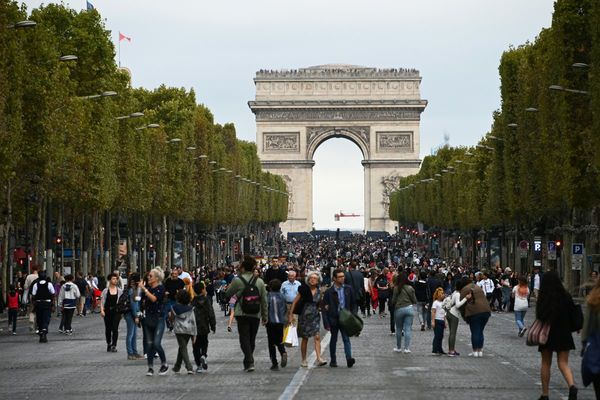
(216, 46)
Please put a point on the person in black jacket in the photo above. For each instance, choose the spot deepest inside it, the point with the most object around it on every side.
(338, 296)
(205, 322)
(556, 307)
(423, 294)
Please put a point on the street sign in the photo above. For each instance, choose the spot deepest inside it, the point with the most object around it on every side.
(577, 251)
(552, 250)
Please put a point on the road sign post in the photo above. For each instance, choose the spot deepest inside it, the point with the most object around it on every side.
(577, 252)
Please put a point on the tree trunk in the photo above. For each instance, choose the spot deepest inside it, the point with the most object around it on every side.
(7, 228)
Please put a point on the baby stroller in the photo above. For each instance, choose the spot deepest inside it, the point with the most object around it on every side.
(222, 299)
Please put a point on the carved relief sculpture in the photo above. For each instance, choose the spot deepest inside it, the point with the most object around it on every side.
(394, 141)
(390, 184)
(281, 142)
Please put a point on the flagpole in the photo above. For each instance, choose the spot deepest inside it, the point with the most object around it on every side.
(119, 49)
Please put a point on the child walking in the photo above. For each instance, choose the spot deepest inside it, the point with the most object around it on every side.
(184, 326)
(277, 316)
(12, 298)
(205, 322)
(438, 321)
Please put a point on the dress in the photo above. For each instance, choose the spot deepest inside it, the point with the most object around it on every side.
(309, 320)
(560, 337)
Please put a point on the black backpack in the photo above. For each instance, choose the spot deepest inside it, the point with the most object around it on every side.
(250, 297)
(124, 303)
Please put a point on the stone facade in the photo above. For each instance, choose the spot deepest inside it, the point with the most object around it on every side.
(377, 109)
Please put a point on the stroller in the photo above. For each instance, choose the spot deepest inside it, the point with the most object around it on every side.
(222, 299)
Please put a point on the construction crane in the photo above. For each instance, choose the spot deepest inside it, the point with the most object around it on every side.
(337, 217)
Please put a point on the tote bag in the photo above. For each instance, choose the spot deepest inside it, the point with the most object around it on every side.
(538, 333)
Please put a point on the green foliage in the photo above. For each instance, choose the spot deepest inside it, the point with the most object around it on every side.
(533, 166)
(84, 158)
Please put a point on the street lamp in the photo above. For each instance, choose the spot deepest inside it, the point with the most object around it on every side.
(191, 148)
(531, 109)
(580, 65)
(132, 115)
(174, 140)
(512, 125)
(563, 89)
(496, 138)
(109, 93)
(22, 25)
(151, 126)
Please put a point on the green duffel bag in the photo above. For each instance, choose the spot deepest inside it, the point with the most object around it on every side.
(351, 323)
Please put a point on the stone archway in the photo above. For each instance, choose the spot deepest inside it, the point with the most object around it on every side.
(377, 109)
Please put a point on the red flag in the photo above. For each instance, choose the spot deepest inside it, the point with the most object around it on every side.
(123, 37)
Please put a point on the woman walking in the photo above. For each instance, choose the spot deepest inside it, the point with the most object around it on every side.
(132, 317)
(555, 306)
(309, 317)
(154, 321)
(108, 311)
(477, 314)
(453, 316)
(521, 293)
(404, 300)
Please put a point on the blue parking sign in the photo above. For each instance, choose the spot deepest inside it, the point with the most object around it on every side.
(578, 248)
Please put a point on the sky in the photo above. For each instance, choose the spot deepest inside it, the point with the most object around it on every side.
(216, 46)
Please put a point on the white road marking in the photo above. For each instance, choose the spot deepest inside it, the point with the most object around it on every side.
(299, 377)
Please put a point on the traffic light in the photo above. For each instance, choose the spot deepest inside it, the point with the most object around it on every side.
(478, 242)
(558, 245)
(58, 240)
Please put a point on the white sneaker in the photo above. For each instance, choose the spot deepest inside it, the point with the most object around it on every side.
(407, 351)
(397, 350)
(480, 354)
(474, 354)
(304, 364)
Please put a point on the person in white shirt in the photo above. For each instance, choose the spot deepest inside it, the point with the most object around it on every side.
(438, 321)
(289, 289)
(183, 274)
(453, 316)
(521, 293)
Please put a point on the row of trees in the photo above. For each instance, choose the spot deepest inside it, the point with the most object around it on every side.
(537, 169)
(72, 151)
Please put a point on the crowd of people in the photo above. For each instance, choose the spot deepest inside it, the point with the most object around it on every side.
(313, 287)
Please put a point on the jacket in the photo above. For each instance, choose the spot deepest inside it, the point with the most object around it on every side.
(277, 308)
(105, 295)
(237, 287)
(135, 305)
(330, 312)
(478, 303)
(205, 315)
(404, 297)
(69, 293)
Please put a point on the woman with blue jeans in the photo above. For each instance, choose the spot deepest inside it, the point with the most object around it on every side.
(477, 314)
(403, 299)
(132, 317)
(521, 294)
(154, 321)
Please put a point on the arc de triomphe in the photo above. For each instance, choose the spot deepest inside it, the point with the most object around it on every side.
(377, 109)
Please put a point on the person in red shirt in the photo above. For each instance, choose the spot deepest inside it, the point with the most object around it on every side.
(12, 298)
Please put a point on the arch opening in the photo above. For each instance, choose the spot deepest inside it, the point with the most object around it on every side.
(338, 184)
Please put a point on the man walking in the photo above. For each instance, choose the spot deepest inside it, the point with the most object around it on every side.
(250, 308)
(355, 279)
(289, 289)
(336, 298)
(31, 278)
(43, 296)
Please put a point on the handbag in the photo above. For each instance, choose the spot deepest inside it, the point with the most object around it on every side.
(290, 336)
(351, 323)
(538, 333)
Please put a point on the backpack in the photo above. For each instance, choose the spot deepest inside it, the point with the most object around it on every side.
(124, 303)
(447, 303)
(250, 297)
